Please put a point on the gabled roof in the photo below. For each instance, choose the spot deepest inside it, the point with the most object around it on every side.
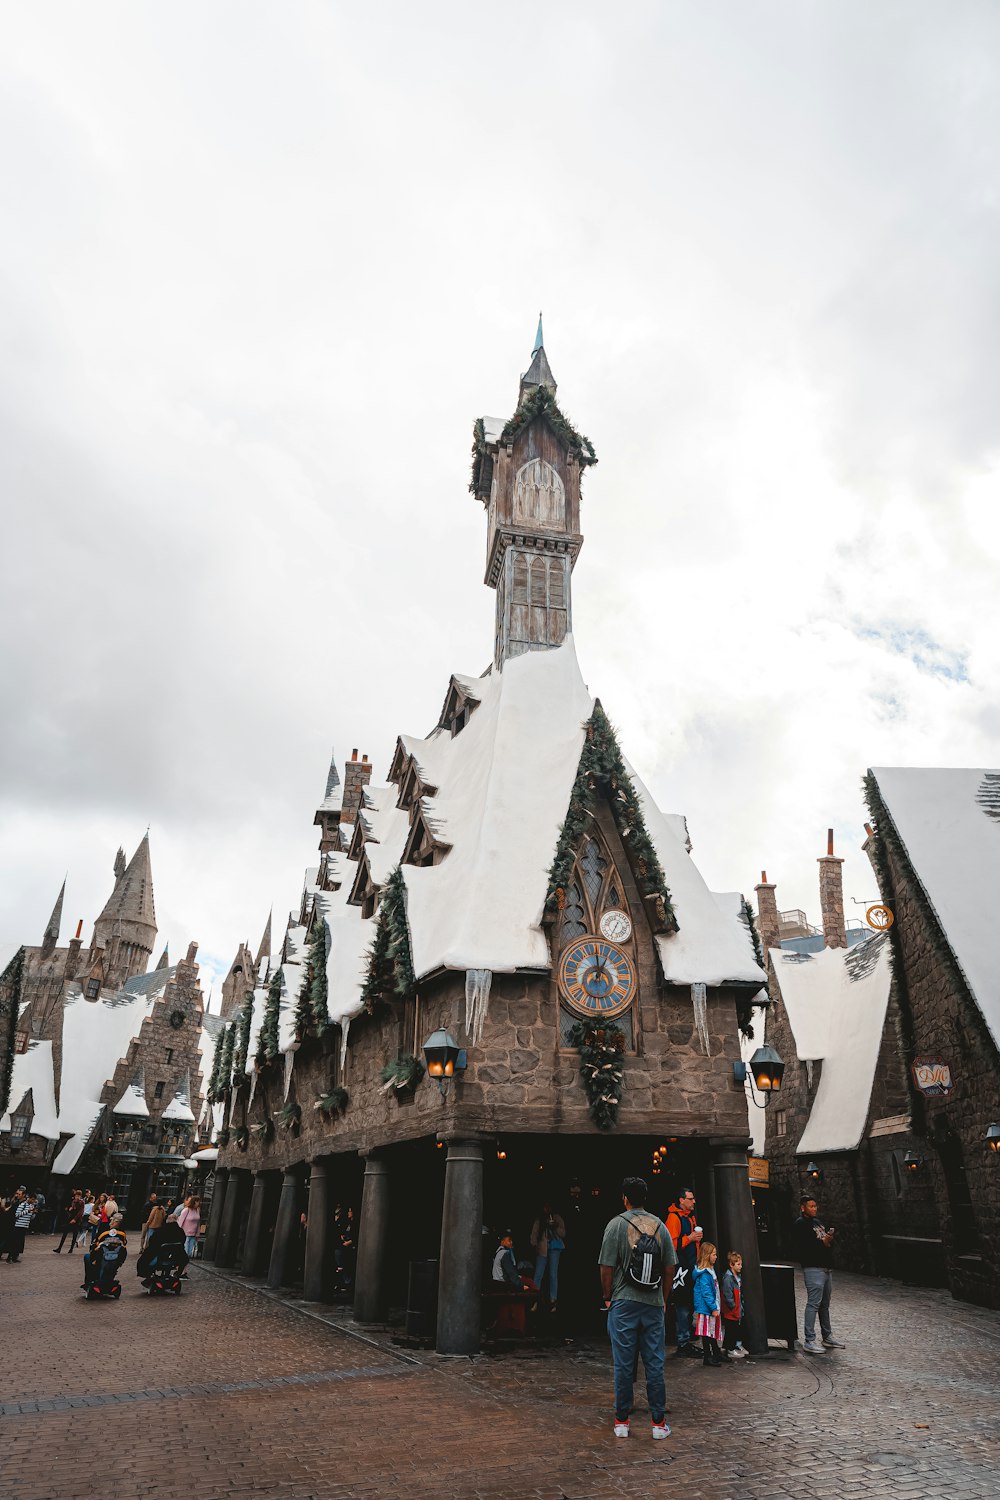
(179, 1107)
(33, 1072)
(836, 1003)
(132, 1103)
(948, 822)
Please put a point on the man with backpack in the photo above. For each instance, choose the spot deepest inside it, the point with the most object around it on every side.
(637, 1260)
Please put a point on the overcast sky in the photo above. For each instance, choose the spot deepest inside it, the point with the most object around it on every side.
(263, 265)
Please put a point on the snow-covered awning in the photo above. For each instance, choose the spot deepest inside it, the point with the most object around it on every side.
(209, 1153)
(33, 1070)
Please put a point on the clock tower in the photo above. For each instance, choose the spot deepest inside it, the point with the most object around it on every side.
(527, 473)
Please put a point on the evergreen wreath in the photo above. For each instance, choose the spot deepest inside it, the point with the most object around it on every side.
(264, 1131)
(601, 1068)
(390, 961)
(10, 1005)
(222, 1138)
(290, 1118)
(332, 1103)
(244, 1021)
(403, 1072)
(242, 1138)
(267, 1039)
(602, 767)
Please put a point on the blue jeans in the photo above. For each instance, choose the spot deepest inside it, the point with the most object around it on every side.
(637, 1328)
(683, 1316)
(819, 1285)
(556, 1248)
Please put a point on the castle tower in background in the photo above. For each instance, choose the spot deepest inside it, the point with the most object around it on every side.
(125, 932)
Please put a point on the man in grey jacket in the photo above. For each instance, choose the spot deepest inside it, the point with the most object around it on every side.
(814, 1249)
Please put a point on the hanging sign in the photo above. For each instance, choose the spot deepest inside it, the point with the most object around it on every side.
(932, 1076)
(879, 917)
(760, 1175)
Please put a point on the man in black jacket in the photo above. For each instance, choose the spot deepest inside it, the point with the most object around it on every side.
(814, 1249)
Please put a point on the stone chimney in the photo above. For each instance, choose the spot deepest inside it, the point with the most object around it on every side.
(357, 774)
(768, 921)
(831, 897)
(73, 953)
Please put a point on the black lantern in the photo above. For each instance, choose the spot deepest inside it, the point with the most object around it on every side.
(814, 1171)
(912, 1162)
(765, 1070)
(444, 1058)
(992, 1137)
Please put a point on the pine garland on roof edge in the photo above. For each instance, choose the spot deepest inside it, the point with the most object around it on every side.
(602, 768)
(541, 403)
(226, 1059)
(267, 1038)
(311, 1014)
(744, 1009)
(244, 1021)
(390, 961)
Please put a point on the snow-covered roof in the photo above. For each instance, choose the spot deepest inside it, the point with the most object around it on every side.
(33, 1070)
(74, 1148)
(132, 1103)
(836, 1003)
(493, 427)
(179, 1107)
(208, 1153)
(949, 824)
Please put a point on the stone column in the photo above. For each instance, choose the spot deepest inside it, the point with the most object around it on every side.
(229, 1234)
(284, 1229)
(371, 1291)
(317, 1233)
(255, 1225)
(831, 897)
(215, 1215)
(738, 1231)
(460, 1278)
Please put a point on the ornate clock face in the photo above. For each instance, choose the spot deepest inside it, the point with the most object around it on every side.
(596, 978)
(617, 926)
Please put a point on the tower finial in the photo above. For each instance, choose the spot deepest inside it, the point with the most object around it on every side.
(539, 341)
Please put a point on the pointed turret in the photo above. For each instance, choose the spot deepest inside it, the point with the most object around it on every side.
(164, 959)
(264, 950)
(539, 372)
(328, 814)
(50, 941)
(236, 983)
(126, 928)
(119, 863)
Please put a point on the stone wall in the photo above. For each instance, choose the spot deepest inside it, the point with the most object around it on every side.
(939, 1018)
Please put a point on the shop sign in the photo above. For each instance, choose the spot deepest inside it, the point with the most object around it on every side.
(760, 1171)
(932, 1076)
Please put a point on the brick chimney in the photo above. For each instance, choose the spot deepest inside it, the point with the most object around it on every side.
(768, 921)
(831, 896)
(357, 774)
(73, 953)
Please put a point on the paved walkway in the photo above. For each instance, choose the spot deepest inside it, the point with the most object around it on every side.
(226, 1392)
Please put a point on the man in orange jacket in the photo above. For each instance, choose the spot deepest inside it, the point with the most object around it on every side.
(686, 1234)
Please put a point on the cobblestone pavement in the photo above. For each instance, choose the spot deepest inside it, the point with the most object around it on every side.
(226, 1392)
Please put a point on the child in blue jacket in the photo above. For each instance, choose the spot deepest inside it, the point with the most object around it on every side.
(707, 1320)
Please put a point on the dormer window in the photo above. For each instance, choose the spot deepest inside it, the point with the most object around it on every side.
(459, 705)
(20, 1127)
(93, 989)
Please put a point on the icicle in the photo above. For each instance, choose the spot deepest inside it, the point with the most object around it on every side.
(345, 1030)
(477, 999)
(232, 1106)
(699, 1001)
(809, 1072)
(253, 1089)
(289, 1065)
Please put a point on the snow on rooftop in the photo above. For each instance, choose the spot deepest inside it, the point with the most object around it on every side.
(836, 1003)
(179, 1107)
(74, 1148)
(33, 1070)
(493, 427)
(132, 1103)
(949, 823)
(96, 1035)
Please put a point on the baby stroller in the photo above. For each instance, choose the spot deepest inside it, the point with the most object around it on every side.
(102, 1265)
(162, 1263)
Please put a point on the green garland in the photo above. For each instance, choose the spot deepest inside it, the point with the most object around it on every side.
(216, 1073)
(264, 1131)
(541, 403)
(226, 1060)
(222, 1137)
(602, 767)
(10, 1005)
(403, 1072)
(290, 1117)
(267, 1039)
(744, 1008)
(332, 1103)
(244, 1020)
(600, 1049)
(390, 961)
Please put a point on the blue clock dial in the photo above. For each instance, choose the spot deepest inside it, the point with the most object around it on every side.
(596, 978)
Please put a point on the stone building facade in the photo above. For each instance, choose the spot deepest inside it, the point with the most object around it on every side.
(508, 853)
(904, 1174)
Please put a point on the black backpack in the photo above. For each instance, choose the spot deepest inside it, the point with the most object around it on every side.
(645, 1267)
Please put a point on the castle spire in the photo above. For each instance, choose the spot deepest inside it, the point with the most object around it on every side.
(539, 341)
(265, 943)
(539, 372)
(50, 940)
(164, 961)
(129, 917)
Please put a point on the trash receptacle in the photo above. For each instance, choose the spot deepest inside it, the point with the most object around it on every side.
(779, 1302)
(421, 1299)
